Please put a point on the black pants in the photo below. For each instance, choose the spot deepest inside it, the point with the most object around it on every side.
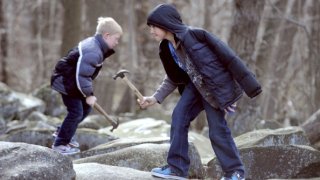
(77, 109)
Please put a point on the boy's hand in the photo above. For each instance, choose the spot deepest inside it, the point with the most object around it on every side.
(91, 100)
(147, 101)
(231, 109)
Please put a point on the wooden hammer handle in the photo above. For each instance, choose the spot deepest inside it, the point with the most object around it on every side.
(135, 90)
(109, 118)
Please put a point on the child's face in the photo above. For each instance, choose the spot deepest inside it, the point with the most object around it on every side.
(112, 39)
(157, 33)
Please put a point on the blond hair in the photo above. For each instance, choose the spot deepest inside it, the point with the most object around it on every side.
(108, 25)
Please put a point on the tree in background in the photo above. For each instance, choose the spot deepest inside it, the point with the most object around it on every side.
(31, 43)
(72, 25)
(243, 35)
(3, 45)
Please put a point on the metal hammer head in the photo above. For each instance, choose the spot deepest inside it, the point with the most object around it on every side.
(120, 74)
(115, 125)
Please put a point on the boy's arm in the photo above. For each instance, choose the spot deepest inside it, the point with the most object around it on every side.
(167, 87)
(86, 67)
(234, 64)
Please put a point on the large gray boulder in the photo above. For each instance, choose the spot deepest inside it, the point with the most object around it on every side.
(87, 138)
(25, 161)
(52, 99)
(16, 105)
(291, 161)
(152, 128)
(268, 137)
(27, 104)
(35, 121)
(95, 121)
(9, 106)
(264, 140)
(90, 138)
(145, 157)
(95, 171)
(120, 144)
(41, 137)
(3, 126)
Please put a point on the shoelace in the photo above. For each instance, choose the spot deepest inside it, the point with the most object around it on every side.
(164, 167)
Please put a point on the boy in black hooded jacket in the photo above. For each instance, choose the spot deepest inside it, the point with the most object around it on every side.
(210, 77)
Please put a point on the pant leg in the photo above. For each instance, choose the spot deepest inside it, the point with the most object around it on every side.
(86, 109)
(74, 117)
(188, 107)
(221, 140)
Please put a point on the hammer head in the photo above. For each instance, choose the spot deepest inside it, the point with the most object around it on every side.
(120, 74)
(115, 125)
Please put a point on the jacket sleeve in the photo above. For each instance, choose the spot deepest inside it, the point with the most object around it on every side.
(86, 67)
(234, 64)
(167, 87)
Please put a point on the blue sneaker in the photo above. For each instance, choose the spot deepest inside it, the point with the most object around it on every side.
(165, 172)
(235, 176)
(66, 149)
(73, 142)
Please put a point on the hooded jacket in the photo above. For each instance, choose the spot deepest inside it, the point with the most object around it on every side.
(73, 74)
(221, 69)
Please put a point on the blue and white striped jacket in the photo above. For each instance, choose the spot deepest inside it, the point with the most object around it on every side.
(74, 73)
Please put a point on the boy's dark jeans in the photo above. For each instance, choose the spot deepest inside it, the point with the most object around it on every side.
(77, 109)
(189, 106)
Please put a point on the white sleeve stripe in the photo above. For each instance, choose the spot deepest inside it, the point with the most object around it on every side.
(78, 69)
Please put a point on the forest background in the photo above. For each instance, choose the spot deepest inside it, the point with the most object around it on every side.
(279, 40)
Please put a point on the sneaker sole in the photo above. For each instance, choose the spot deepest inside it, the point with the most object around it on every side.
(69, 153)
(66, 153)
(73, 145)
(167, 176)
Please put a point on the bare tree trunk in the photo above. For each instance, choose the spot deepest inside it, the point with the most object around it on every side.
(280, 62)
(132, 50)
(314, 52)
(39, 30)
(26, 47)
(207, 16)
(263, 61)
(72, 25)
(135, 20)
(242, 39)
(3, 45)
(124, 104)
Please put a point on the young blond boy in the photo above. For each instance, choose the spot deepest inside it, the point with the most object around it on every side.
(72, 78)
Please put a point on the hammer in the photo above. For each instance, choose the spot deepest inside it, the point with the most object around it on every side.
(121, 74)
(114, 122)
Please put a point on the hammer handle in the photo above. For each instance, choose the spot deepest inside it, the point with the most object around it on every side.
(135, 90)
(109, 118)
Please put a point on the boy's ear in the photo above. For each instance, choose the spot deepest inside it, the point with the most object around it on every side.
(105, 35)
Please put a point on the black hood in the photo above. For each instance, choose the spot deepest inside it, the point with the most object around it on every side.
(167, 17)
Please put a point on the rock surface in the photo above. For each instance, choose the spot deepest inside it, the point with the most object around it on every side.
(292, 161)
(277, 137)
(145, 157)
(25, 161)
(95, 171)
